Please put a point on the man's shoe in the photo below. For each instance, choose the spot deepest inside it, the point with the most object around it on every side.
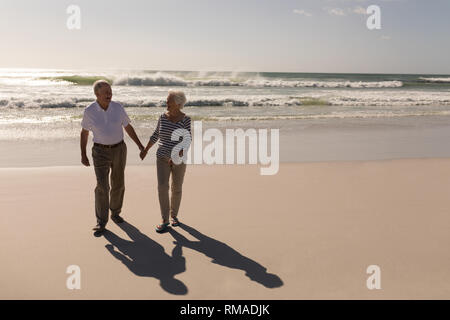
(175, 222)
(117, 219)
(99, 228)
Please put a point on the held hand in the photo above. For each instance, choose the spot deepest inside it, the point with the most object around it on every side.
(85, 160)
(143, 154)
(170, 162)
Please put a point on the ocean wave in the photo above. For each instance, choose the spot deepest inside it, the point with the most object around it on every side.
(33, 82)
(157, 79)
(165, 79)
(54, 103)
(323, 98)
(169, 80)
(435, 80)
(186, 79)
(323, 84)
(194, 79)
(161, 79)
(46, 103)
(79, 80)
(216, 83)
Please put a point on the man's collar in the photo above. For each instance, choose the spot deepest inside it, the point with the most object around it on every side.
(99, 107)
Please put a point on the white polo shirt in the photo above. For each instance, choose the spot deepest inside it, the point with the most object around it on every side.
(107, 126)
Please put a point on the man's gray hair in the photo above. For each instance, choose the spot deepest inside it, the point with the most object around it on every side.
(99, 84)
(179, 97)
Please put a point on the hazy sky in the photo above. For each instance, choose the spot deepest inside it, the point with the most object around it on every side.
(235, 35)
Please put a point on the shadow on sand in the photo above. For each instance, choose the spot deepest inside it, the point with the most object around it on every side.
(224, 255)
(147, 258)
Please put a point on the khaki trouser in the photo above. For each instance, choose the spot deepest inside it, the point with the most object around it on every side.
(105, 161)
(164, 170)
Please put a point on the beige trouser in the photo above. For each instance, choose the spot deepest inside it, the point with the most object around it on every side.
(164, 170)
(105, 161)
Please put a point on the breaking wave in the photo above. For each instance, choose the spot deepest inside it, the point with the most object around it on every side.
(169, 80)
(164, 79)
(435, 80)
(323, 84)
(342, 98)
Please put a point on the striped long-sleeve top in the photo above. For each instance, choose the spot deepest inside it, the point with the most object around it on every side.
(163, 133)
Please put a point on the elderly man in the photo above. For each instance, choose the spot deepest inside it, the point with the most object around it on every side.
(105, 118)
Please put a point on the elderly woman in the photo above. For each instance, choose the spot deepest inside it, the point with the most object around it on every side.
(168, 122)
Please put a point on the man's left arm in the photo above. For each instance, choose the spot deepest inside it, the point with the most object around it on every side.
(130, 130)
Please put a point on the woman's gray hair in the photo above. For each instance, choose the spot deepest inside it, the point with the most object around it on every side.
(100, 83)
(179, 96)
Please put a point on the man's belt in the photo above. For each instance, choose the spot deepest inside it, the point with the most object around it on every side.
(109, 146)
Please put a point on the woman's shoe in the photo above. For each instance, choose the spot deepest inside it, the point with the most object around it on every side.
(175, 222)
(162, 227)
(117, 219)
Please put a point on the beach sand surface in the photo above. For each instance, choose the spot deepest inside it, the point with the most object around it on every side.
(309, 232)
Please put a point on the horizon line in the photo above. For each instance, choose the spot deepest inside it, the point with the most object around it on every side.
(211, 70)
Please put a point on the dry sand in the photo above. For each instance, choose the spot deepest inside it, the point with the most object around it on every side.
(308, 232)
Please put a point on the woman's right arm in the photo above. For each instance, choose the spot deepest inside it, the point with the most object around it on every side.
(154, 138)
